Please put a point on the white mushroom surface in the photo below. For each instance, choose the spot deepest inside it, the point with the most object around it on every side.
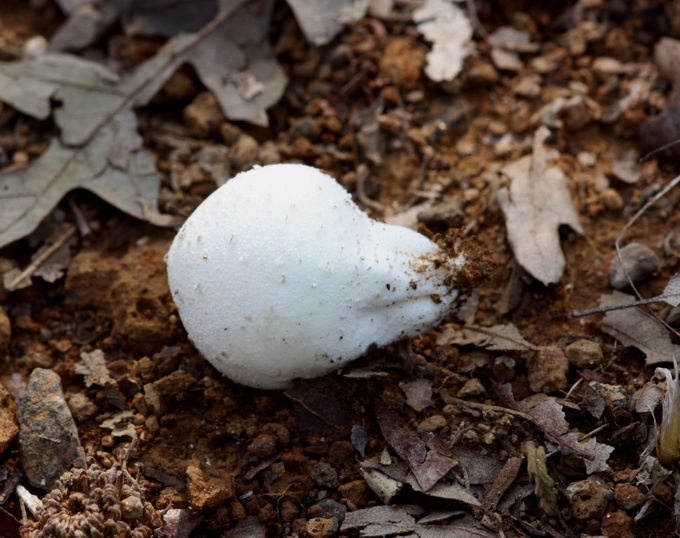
(279, 275)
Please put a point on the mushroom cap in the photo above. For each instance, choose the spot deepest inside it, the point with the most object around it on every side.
(278, 275)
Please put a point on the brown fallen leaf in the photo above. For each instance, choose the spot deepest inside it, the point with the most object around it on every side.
(549, 417)
(632, 327)
(535, 205)
(503, 481)
(428, 457)
(497, 338)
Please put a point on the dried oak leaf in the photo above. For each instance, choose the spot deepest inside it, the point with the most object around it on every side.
(671, 293)
(535, 205)
(397, 520)
(322, 20)
(504, 337)
(632, 327)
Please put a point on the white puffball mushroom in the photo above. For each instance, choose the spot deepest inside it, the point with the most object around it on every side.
(278, 275)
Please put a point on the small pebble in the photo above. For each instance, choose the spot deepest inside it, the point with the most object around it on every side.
(584, 353)
(548, 370)
(473, 387)
(432, 423)
(628, 496)
(324, 475)
(639, 261)
(588, 498)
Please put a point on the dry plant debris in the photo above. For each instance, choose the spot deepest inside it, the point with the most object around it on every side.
(513, 417)
(535, 205)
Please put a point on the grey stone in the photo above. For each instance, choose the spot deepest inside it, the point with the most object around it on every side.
(48, 438)
(638, 261)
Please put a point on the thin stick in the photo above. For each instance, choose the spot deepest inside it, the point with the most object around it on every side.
(622, 233)
(41, 257)
(603, 309)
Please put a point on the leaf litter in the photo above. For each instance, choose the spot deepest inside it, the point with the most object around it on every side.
(633, 327)
(536, 203)
(99, 148)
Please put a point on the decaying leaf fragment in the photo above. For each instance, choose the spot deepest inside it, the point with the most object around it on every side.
(322, 20)
(544, 489)
(504, 337)
(448, 28)
(93, 367)
(632, 327)
(668, 436)
(548, 416)
(535, 205)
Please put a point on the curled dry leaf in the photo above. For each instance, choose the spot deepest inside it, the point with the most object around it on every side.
(535, 205)
(632, 327)
(322, 20)
(448, 28)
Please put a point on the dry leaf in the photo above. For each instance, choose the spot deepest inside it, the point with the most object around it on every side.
(99, 148)
(418, 393)
(671, 293)
(93, 367)
(503, 481)
(398, 520)
(322, 20)
(632, 327)
(544, 489)
(497, 338)
(535, 205)
(427, 457)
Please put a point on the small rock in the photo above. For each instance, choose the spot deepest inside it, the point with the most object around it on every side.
(355, 491)
(506, 61)
(628, 496)
(230, 133)
(617, 525)
(614, 395)
(638, 260)
(584, 353)
(505, 145)
(320, 526)
(328, 508)
(548, 370)
(5, 331)
(48, 438)
(8, 424)
(528, 86)
(243, 153)
(306, 127)
(263, 446)
(586, 159)
(611, 199)
(81, 406)
(204, 115)
(131, 507)
(472, 387)
(481, 73)
(588, 498)
(432, 423)
(207, 491)
(324, 475)
(402, 61)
